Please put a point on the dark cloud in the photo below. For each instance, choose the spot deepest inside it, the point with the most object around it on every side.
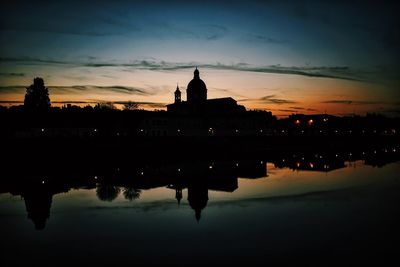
(85, 88)
(352, 102)
(334, 72)
(269, 99)
(116, 88)
(34, 61)
(12, 89)
(212, 32)
(264, 39)
(287, 110)
(273, 100)
(11, 74)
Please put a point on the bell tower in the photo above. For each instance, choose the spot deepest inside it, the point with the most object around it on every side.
(178, 95)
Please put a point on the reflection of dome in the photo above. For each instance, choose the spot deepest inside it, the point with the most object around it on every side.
(196, 89)
(198, 198)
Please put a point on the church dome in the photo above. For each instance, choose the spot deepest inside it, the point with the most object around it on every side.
(196, 89)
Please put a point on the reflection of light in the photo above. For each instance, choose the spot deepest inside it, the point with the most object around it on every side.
(283, 160)
(261, 131)
(179, 170)
(210, 167)
(298, 164)
(350, 154)
(310, 122)
(43, 182)
(325, 119)
(261, 162)
(311, 165)
(118, 134)
(237, 164)
(42, 129)
(394, 149)
(179, 130)
(297, 122)
(375, 151)
(95, 130)
(141, 130)
(142, 173)
(237, 130)
(95, 177)
(337, 155)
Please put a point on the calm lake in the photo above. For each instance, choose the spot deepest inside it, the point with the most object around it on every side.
(229, 212)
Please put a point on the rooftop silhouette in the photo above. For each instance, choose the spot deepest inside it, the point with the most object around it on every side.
(197, 102)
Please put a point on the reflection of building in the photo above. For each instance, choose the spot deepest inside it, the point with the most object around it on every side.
(197, 101)
(198, 198)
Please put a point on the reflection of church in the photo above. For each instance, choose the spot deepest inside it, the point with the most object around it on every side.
(197, 101)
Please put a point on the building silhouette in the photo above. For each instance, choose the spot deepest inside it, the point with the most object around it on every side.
(197, 101)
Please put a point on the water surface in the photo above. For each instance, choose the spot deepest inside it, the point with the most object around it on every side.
(205, 213)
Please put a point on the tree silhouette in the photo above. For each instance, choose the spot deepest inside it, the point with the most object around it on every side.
(105, 106)
(131, 193)
(131, 105)
(37, 96)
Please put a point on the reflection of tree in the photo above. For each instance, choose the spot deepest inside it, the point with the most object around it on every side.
(131, 193)
(107, 192)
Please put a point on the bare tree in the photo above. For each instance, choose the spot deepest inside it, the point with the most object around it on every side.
(131, 105)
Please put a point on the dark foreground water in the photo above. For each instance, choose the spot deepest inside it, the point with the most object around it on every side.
(263, 213)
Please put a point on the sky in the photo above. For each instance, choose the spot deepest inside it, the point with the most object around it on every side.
(336, 57)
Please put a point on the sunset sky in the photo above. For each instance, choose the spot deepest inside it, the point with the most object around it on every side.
(285, 56)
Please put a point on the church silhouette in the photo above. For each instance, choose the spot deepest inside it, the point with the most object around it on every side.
(197, 101)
